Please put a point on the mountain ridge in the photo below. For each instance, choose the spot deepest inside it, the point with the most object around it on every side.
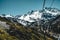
(33, 16)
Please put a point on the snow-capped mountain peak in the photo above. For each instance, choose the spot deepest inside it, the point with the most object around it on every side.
(8, 16)
(46, 14)
(30, 17)
(52, 11)
(36, 15)
(33, 16)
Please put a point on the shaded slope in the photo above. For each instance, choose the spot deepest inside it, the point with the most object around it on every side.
(18, 32)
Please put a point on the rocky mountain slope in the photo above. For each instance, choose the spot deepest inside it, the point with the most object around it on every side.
(16, 31)
(28, 26)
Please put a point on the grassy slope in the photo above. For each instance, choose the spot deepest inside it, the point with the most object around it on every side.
(19, 32)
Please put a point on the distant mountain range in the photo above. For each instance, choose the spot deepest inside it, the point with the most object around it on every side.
(34, 16)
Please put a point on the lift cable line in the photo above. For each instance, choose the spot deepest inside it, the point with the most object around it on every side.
(52, 3)
(44, 1)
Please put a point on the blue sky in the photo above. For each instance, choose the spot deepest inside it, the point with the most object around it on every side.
(20, 7)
